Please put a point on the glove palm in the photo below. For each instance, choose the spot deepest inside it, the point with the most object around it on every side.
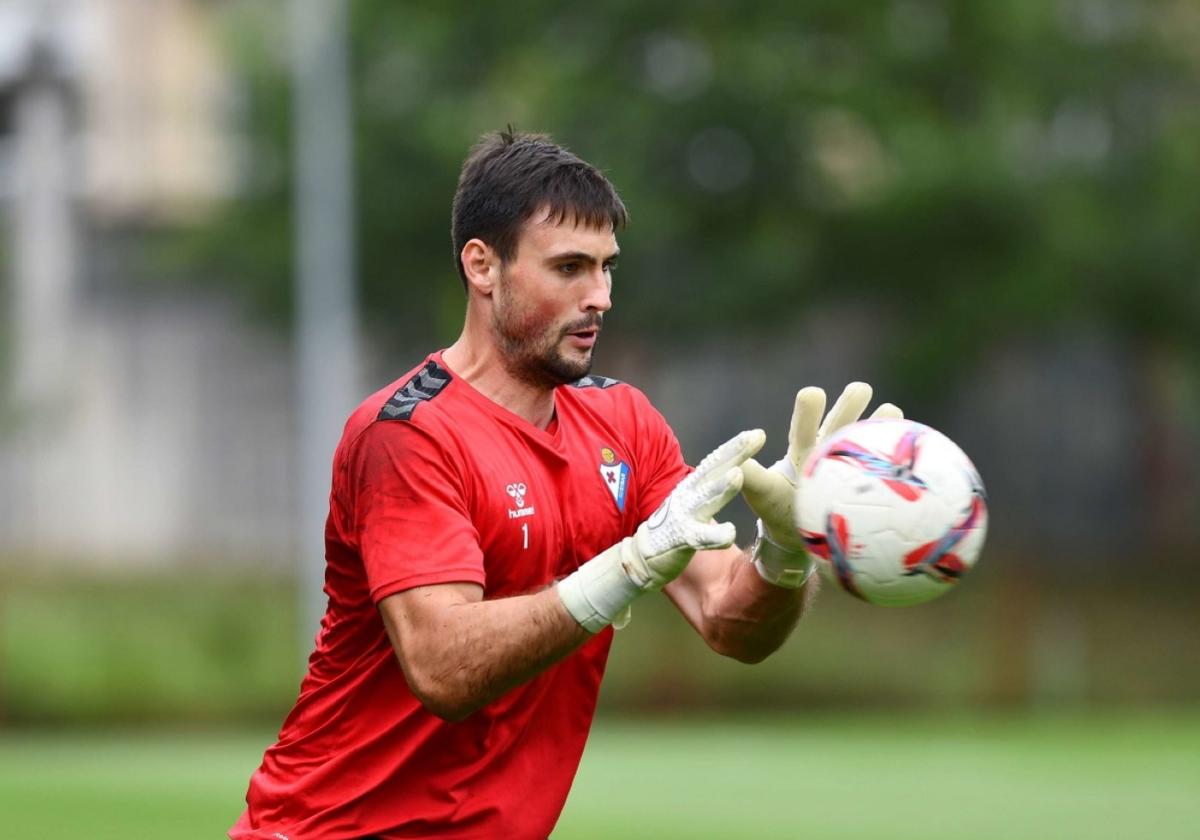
(771, 493)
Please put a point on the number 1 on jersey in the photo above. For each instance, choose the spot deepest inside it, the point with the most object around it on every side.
(525, 534)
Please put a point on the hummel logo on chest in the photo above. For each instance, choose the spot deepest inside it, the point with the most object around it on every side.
(517, 491)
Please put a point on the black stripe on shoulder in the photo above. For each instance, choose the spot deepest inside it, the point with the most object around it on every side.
(595, 382)
(424, 385)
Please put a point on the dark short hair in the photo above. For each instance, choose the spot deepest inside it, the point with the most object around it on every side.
(509, 176)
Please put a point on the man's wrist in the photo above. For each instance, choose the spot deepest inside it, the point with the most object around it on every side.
(786, 568)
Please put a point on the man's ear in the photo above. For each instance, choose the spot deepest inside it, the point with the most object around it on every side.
(481, 265)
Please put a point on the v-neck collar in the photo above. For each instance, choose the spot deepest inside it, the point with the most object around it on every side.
(550, 437)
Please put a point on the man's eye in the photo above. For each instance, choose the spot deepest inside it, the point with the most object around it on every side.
(610, 267)
(568, 268)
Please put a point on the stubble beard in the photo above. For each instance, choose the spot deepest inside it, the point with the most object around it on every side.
(530, 348)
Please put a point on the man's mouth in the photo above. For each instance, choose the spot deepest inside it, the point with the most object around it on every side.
(587, 332)
(584, 338)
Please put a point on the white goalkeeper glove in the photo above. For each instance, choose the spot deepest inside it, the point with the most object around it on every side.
(778, 551)
(600, 591)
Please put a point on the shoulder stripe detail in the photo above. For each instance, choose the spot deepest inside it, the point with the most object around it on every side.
(595, 382)
(424, 385)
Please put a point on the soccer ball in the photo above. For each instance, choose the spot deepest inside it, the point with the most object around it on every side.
(894, 511)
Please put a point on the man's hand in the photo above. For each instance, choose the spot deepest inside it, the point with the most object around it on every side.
(779, 553)
(601, 590)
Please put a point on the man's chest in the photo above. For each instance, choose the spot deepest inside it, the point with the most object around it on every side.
(542, 511)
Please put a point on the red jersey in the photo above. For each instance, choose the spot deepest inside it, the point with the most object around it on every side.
(435, 483)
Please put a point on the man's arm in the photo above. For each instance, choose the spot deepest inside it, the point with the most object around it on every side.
(459, 652)
(735, 611)
(745, 604)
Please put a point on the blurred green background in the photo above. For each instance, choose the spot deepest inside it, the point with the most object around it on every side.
(988, 211)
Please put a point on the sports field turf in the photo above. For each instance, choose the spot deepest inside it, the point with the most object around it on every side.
(832, 778)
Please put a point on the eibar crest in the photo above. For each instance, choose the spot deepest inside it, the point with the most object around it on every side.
(616, 476)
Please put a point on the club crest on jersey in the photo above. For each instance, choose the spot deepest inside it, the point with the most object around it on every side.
(616, 476)
(517, 491)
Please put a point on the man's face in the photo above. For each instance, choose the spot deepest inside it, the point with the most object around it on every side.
(549, 304)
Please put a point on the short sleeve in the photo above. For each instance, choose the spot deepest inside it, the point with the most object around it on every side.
(659, 455)
(409, 512)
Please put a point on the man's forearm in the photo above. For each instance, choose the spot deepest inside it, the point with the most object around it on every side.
(469, 653)
(756, 617)
(739, 614)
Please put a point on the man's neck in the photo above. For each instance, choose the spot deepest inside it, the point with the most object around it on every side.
(480, 364)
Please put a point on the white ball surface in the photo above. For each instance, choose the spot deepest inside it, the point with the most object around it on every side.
(893, 510)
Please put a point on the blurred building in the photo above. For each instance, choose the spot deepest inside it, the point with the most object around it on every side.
(139, 422)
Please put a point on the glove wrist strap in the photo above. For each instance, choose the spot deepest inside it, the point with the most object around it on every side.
(600, 591)
(779, 566)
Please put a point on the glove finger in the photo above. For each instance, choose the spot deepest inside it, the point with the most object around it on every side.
(806, 418)
(713, 535)
(887, 411)
(718, 494)
(756, 479)
(729, 454)
(848, 408)
(768, 493)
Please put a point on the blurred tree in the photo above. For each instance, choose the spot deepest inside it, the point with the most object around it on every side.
(976, 170)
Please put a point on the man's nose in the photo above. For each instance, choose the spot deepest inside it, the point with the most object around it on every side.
(599, 292)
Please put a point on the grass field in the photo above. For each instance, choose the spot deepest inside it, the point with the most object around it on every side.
(834, 778)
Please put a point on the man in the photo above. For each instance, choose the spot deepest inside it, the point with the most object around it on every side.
(493, 512)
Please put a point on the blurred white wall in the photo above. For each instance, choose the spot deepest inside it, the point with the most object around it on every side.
(134, 427)
(155, 139)
(150, 93)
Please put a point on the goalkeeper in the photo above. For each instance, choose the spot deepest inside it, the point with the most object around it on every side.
(494, 513)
